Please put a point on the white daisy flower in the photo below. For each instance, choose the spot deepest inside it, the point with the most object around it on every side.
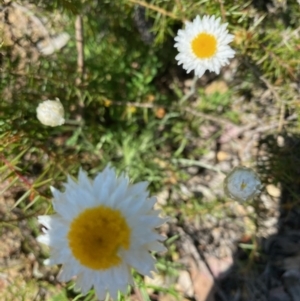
(101, 230)
(51, 112)
(242, 184)
(203, 45)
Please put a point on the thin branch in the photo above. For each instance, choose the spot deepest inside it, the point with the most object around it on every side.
(80, 62)
(279, 100)
(18, 174)
(135, 104)
(209, 117)
(155, 8)
(188, 110)
(178, 3)
(80, 48)
(222, 9)
(190, 162)
(191, 92)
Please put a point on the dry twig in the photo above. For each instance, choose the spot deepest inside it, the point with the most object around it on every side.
(80, 48)
(155, 8)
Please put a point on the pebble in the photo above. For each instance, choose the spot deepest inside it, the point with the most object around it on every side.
(273, 191)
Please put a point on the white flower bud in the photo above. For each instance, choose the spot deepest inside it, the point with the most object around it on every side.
(51, 112)
(242, 184)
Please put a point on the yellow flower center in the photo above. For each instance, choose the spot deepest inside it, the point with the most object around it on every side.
(243, 185)
(204, 45)
(96, 235)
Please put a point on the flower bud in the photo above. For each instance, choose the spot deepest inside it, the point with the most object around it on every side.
(242, 184)
(51, 112)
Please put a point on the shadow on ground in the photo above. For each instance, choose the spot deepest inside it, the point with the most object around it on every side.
(270, 269)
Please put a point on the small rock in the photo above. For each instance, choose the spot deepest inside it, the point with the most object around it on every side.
(193, 170)
(278, 294)
(222, 156)
(162, 199)
(280, 141)
(157, 280)
(184, 284)
(273, 191)
(292, 283)
(185, 191)
(3, 281)
(216, 234)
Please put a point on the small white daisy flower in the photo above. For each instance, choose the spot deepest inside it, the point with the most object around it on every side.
(203, 45)
(51, 112)
(101, 230)
(242, 184)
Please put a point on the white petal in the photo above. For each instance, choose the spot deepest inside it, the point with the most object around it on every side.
(44, 220)
(156, 246)
(44, 239)
(83, 283)
(141, 260)
(69, 270)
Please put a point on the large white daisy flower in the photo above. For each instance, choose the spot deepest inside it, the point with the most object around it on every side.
(203, 45)
(101, 230)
